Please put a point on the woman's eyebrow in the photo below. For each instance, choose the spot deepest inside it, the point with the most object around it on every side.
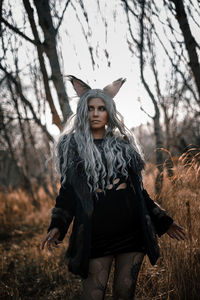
(99, 106)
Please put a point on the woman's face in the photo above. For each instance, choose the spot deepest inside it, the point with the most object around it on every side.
(98, 116)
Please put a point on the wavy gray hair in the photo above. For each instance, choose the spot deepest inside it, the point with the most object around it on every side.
(119, 144)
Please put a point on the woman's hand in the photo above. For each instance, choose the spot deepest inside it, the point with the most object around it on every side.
(51, 239)
(176, 232)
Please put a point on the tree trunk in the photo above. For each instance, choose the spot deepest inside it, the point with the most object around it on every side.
(156, 118)
(49, 31)
(56, 119)
(159, 154)
(35, 201)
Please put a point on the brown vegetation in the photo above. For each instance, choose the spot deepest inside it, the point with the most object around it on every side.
(28, 273)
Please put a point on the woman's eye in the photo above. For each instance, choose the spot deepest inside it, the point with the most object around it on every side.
(102, 108)
(89, 108)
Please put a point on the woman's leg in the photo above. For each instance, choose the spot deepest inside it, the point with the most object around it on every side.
(94, 286)
(127, 266)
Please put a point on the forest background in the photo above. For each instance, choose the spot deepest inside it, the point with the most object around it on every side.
(156, 46)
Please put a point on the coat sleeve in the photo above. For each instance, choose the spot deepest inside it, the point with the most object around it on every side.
(63, 212)
(160, 219)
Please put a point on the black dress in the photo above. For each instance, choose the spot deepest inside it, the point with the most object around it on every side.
(115, 222)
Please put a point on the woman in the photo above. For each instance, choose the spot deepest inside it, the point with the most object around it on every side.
(101, 191)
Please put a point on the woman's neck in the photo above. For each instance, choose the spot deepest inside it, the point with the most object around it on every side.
(98, 134)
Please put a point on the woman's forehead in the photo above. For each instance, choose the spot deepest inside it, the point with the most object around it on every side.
(96, 101)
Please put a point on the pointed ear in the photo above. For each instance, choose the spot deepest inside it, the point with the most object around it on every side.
(113, 88)
(79, 86)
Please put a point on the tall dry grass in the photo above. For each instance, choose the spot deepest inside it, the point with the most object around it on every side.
(28, 273)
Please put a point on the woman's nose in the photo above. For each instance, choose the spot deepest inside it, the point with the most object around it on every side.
(96, 112)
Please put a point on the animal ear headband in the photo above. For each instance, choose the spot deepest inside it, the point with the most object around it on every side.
(81, 87)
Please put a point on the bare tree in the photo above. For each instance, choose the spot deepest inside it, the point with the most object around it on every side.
(161, 40)
(26, 96)
(48, 46)
(154, 33)
(142, 42)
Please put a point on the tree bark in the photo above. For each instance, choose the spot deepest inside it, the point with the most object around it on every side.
(45, 21)
(56, 119)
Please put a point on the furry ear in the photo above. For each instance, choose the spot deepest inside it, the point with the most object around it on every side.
(113, 88)
(79, 86)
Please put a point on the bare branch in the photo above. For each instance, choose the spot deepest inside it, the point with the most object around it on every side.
(129, 27)
(142, 109)
(190, 42)
(2, 80)
(85, 36)
(141, 45)
(27, 102)
(61, 18)
(129, 9)
(175, 66)
(16, 30)
(1, 7)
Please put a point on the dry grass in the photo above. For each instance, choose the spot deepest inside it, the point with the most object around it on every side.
(28, 273)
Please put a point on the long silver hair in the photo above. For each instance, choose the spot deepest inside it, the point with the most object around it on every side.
(119, 145)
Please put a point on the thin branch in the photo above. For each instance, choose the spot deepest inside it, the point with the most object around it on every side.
(194, 8)
(176, 68)
(61, 18)
(130, 28)
(6, 134)
(85, 36)
(191, 15)
(10, 119)
(17, 31)
(142, 109)
(26, 101)
(128, 8)
(2, 80)
(1, 7)
(153, 62)
(141, 46)
(190, 42)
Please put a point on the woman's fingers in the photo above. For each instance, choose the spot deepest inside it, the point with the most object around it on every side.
(176, 232)
(47, 239)
(53, 242)
(180, 232)
(177, 235)
(50, 242)
(44, 242)
(51, 239)
(56, 243)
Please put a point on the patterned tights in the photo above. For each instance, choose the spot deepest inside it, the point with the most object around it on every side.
(127, 266)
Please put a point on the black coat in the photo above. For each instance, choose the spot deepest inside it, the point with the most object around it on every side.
(75, 202)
